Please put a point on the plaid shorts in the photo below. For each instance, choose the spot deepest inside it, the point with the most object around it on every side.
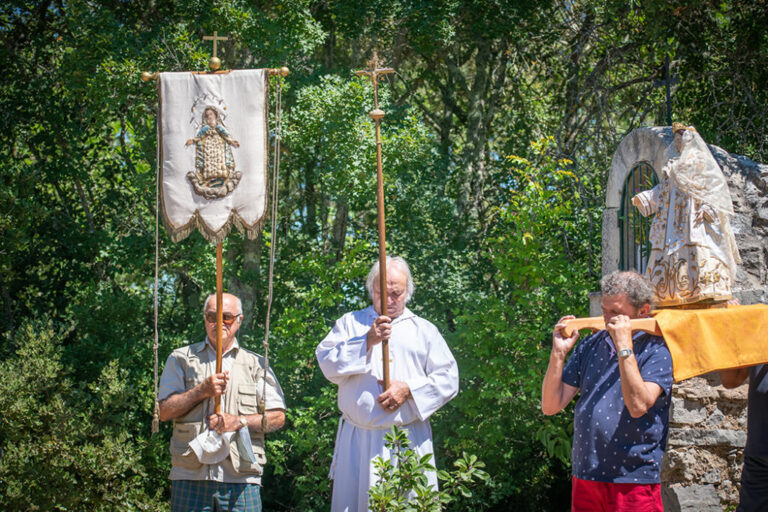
(210, 496)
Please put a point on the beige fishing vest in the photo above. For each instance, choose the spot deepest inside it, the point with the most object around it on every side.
(243, 394)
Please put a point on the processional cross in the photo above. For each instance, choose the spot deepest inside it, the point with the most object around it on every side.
(373, 72)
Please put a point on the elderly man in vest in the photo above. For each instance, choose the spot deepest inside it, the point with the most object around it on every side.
(424, 378)
(228, 479)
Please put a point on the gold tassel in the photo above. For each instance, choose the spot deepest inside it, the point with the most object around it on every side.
(156, 418)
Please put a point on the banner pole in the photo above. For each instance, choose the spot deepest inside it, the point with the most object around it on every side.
(219, 316)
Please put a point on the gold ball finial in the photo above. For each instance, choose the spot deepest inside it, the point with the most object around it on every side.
(214, 63)
(376, 114)
(146, 76)
(284, 71)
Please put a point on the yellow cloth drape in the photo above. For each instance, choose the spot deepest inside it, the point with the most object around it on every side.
(706, 340)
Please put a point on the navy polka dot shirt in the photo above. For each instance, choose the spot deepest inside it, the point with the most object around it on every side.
(609, 445)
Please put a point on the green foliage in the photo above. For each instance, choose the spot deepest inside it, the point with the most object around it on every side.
(56, 430)
(403, 485)
(540, 267)
(503, 236)
(556, 439)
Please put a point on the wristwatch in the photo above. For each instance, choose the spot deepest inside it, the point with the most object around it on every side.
(243, 421)
(625, 353)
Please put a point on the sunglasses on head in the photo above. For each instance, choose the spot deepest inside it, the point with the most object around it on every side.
(210, 316)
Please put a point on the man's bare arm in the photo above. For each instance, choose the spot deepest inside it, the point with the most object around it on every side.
(226, 422)
(181, 403)
(733, 378)
(555, 394)
(275, 420)
(639, 395)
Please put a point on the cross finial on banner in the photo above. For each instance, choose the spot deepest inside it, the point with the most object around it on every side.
(668, 81)
(215, 63)
(215, 38)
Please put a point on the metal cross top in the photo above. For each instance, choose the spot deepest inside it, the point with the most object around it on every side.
(215, 38)
(668, 82)
(373, 73)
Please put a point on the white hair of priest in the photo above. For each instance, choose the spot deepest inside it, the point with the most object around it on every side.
(396, 261)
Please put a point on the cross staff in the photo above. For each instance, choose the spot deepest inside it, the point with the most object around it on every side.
(377, 115)
(215, 62)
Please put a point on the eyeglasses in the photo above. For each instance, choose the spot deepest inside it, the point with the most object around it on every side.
(229, 318)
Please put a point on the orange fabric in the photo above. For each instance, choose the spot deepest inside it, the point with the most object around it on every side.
(707, 340)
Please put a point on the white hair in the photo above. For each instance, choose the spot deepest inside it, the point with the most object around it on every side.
(213, 296)
(391, 260)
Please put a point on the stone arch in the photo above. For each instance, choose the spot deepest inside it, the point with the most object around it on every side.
(646, 144)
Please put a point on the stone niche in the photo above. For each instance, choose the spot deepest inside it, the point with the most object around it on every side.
(702, 466)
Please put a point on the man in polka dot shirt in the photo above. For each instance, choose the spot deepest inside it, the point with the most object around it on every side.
(621, 418)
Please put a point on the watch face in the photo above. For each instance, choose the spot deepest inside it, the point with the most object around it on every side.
(625, 352)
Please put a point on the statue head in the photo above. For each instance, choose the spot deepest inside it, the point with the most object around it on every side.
(211, 117)
(680, 130)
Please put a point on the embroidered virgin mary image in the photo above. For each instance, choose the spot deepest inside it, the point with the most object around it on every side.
(214, 175)
(694, 255)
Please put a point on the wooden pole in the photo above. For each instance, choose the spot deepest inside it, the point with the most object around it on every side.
(596, 323)
(219, 316)
(382, 246)
(377, 115)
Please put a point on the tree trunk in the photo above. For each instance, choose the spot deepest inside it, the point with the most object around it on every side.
(339, 233)
(245, 283)
(310, 202)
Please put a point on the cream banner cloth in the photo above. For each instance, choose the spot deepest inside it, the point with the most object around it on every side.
(213, 148)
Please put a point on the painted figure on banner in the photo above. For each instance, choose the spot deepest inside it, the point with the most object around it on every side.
(693, 251)
(215, 175)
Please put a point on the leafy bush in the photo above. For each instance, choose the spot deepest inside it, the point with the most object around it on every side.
(403, 485)
(64, 443)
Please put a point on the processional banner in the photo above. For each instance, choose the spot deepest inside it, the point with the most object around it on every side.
(213, 148)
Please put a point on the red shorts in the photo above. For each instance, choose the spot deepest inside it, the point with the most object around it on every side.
(589, 496)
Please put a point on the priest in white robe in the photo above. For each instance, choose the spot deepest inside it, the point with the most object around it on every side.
(423, 378)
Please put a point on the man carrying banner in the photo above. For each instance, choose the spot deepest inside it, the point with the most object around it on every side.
(621, 420)
(208, 471)
(424, 378)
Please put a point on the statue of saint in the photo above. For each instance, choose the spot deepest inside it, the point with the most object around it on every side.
(693, 251)
(214, 174)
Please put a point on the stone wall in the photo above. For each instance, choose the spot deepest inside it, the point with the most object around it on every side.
(748, 184)
(702, 465)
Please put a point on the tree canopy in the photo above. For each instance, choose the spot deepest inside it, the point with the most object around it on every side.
(502, 118)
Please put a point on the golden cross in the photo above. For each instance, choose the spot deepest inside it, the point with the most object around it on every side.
(373, 73)
(215, 38)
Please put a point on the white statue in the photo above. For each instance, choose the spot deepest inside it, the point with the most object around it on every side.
(693, 251)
